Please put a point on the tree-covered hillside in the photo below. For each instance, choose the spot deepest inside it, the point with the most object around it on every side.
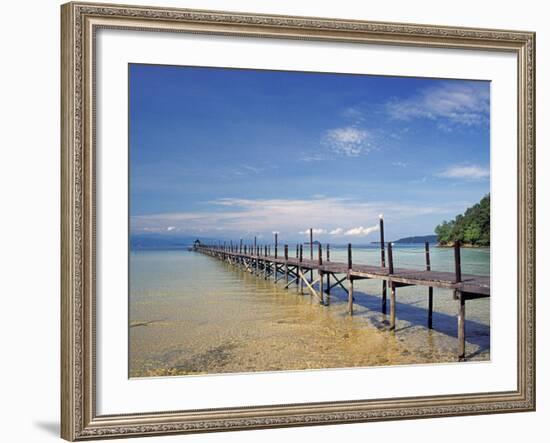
(471, 228)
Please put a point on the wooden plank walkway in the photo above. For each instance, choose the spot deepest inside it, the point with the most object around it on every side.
(294, 270)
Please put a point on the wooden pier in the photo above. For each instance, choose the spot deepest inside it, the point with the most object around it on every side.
(299, 271)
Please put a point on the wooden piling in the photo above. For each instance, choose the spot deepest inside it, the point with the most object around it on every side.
(320, 262)
(275, 245)
(300, 259)
(392, 306)
(461, 325)
(382, 245)
(350, 294)
(383, 265)
(328, 273)
(390, 258)
(392, 287)
(286, 264)
(384, 296)
(430, 288)
(321, 293)
(266, 266)
(311, 243)
(458, 269)
(311, 251)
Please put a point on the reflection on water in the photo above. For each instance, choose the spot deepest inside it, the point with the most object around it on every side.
(192, 314)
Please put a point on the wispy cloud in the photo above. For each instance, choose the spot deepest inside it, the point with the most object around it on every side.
(253, 169)
(399, 164)
(316, 231)
(468, 172)
(457, 103)
(361, 231)
(313, 157)
(241, 217)
(355, 114)
(348, 141)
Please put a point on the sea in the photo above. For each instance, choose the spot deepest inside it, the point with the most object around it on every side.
(191, 314)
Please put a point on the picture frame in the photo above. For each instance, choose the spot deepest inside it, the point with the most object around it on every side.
(80, 24)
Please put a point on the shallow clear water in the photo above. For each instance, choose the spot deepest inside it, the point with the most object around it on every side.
(193, 314)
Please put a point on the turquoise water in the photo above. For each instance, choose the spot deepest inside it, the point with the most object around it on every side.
(193, 314)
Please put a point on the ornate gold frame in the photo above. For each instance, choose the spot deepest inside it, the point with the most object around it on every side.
(79, 420)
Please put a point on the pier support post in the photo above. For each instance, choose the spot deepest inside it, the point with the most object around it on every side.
(321, 294)
(392, 306)
(383, 265)
(286, 266)
(430, 307)
(430, 289)
(458, 267)
(311, 253)
(350, 294)
(328, 273)
(301, 257)
(384, 296)
(461, 325)
(321, 276)
(350, 282)
(392, 288)
(390, 259)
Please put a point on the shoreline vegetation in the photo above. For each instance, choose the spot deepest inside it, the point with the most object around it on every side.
(471, 229)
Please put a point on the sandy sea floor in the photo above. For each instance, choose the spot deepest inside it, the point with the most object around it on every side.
(192, 314)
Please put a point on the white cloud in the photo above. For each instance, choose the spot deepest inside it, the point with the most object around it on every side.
(337, 231)
(313, 157)
(239, 217)
(170, 228)
(316, 231)
(348, 141)
(253, 169)
(469, 172)
(458, 103)
(361, 231)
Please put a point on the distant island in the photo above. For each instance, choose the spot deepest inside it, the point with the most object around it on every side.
(152, 241)
(473, 228)
(315, 242)
(417, 239)
(413, 240)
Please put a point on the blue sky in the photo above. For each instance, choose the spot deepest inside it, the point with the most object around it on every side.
(230, 153)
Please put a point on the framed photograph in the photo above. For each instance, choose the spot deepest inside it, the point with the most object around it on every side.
(284, 221)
